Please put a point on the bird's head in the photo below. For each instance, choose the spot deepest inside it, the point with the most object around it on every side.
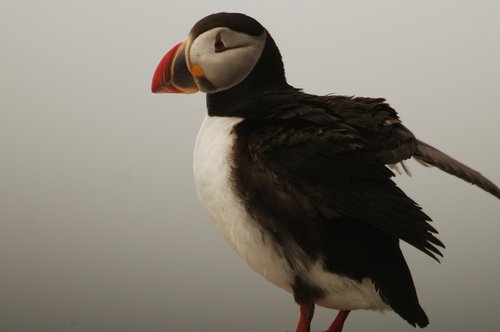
(222, 52)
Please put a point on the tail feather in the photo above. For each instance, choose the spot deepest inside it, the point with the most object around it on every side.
(429, 155)
(395, 284)
(421, 319)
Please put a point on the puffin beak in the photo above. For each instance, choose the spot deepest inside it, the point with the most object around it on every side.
(172, 74)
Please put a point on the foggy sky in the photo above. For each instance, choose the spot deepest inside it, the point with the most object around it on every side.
(100, 226)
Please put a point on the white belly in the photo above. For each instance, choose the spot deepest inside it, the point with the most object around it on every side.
(212, 179)
(212, 171)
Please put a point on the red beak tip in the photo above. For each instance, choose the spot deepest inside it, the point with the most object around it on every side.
(161, 80)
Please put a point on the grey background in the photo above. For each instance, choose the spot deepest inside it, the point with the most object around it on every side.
(100, 226)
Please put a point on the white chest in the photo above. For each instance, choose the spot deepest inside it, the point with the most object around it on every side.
(212, 171)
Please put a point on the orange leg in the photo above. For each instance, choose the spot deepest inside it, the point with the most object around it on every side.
(306, 315)
(338, 323)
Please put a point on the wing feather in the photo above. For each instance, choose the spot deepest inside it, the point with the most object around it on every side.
(329, 171)
(429, 155)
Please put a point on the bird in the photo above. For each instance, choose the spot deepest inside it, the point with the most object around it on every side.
(301, 185)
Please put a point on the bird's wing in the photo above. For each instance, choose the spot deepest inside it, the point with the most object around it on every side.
(392, 143)
(303, 172)
(378, 124)
(429, 155)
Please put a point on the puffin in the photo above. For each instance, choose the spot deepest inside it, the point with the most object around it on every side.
(300, 185)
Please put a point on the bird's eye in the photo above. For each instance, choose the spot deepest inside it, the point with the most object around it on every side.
(219, 45)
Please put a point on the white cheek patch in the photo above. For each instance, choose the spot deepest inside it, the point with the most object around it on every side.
(231, 66)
